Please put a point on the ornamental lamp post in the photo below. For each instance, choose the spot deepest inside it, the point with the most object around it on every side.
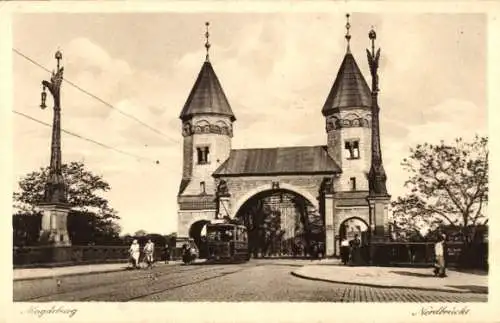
(54, 206)
(378, 199)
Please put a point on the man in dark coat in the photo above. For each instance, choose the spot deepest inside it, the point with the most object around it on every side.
(166, 254)
(355, 246)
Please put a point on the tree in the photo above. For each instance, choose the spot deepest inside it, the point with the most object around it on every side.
(25, 229)
(91, 219)
(448, 185)
(140, 233)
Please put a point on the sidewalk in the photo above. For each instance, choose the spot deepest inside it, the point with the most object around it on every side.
(395, 277)
(38, 273)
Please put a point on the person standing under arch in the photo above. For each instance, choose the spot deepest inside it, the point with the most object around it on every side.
(344, 250)
(355, 246)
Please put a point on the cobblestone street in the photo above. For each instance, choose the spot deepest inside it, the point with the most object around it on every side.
(258, 280)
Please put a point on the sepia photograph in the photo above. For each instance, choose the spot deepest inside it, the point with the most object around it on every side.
(281, 156)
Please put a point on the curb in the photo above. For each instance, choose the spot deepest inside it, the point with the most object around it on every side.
(71, 274)
(293, 273)
(125, 268)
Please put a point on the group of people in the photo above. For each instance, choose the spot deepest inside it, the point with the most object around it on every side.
(148, 254)
(350, 251)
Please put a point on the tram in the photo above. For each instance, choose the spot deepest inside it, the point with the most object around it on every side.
(227, 243)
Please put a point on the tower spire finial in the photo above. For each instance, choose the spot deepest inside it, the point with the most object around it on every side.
(372, 35)
(347, 35)
(207, 43)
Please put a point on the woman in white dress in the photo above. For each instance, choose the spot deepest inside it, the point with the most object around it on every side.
(135, 252)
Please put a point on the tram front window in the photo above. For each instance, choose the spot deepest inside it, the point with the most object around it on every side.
(227, 236)
(220, 234)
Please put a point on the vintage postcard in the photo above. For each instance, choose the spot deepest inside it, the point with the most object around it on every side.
(249, 161)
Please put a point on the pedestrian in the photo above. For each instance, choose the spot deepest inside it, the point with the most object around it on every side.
(187, 255)
(134, 252)
(344, 250)
(321, 250)
(148, 253)
(355, 245)
(439, 251)
(166, 254)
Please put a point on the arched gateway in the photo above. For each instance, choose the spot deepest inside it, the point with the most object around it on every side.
(281, 222)
(218, 181)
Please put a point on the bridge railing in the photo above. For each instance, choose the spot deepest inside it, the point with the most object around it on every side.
(382, 254)
(38, 256)
(422, 254)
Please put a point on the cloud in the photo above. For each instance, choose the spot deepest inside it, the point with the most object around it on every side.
(441, 123)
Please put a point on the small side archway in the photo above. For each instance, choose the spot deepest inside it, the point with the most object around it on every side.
(353, 226)
(196, 231)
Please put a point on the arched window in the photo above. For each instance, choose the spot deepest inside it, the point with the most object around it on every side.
(352, 149)
(202, 155)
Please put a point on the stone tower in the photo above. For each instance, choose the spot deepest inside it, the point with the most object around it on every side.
(347, 113)
(207, 129)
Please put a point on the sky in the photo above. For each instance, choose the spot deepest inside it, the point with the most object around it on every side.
(276, 70)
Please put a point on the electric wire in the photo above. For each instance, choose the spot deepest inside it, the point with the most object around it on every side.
(71, 133)
(109, 105)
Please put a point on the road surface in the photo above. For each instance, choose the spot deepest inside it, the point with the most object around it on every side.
(257, 280)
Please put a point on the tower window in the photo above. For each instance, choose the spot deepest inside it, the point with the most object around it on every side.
(202, 153)
(352, 149)
(202, 187)
(353, 183)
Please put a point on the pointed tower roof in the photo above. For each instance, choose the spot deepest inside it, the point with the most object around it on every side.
(207, 96)
(350, 88)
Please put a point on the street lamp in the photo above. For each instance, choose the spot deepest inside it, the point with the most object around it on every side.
(55, 207)
(44, 97)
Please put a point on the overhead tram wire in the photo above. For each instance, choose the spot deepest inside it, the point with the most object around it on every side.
(137, 157)
(109, 105)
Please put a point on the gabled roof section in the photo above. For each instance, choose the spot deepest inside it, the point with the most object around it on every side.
(349, 89)
(207, 96)
(281, 160)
